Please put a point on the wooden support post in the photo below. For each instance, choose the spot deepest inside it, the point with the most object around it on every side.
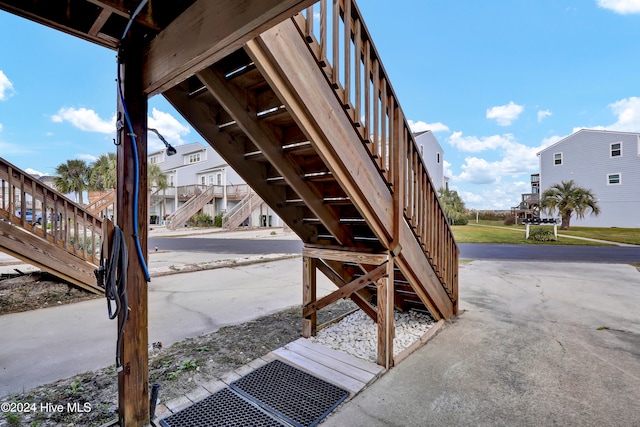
(309, 322)
(386, 328)
(133, 380)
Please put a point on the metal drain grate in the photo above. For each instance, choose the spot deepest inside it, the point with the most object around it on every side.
(295, 396)
(223, 408)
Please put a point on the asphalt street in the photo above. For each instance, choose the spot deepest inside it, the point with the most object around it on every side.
(479, 251)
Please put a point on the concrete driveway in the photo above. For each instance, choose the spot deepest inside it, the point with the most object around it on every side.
(538, 344)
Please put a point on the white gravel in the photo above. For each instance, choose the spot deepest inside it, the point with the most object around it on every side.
(357, 334)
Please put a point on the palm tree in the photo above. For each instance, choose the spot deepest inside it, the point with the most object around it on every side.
(566, 198)
(452, 205)
(103, 172)
(72, 176)
(157, 179)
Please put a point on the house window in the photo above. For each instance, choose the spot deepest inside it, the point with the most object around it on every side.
(557, 159)
(614, 179)
(192, 158)
(219, 179)
(438, 158)
(170, 181)
(203, 180)
(154, 159)
(210, 179)
(616, 149)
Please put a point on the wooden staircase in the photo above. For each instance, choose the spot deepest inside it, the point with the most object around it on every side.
(241, 211)
(191, 207)
(306, 115)
(66, 241)
(102, 204)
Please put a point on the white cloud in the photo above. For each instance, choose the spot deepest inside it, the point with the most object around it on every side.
(505, 114)
(447, 169)
(623, 7)
(168, 126)
(628, 112)
(0, 127)
(85, 119)
(543, 114)
(474, 144)
(90, 158)
(6, 87)
(421, 126)
(479, 171)
(501, 196)
(34, 172)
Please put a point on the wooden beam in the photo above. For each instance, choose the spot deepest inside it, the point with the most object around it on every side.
(48, 257)
(263, 137)
(386, 329)
(345, 291)
(133, 379)
(284, 59)
(309, 322)
(346, 255)
(202, 116)
(339, 282)
(213, 30)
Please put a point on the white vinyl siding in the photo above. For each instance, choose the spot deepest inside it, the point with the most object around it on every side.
(587, 160)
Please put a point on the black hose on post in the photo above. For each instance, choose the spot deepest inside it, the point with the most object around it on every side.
(112, 276)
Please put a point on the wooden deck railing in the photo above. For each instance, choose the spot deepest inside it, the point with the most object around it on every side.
(53, 217)
(343, 48)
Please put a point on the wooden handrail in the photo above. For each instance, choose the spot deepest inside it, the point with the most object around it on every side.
(343, 48)
(62, 221)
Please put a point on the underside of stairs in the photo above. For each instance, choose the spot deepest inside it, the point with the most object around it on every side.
(356, 191)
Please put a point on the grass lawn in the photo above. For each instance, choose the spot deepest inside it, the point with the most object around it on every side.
(621, 235)
(515, 235)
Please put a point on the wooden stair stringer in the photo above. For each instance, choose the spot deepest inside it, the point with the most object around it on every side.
(283, 58)
(48, 257)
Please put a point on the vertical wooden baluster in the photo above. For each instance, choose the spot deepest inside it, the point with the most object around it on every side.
(335, 77)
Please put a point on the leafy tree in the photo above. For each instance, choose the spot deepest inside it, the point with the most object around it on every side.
(453, 206)
(103, 172)
(567, 198)
(72, 176)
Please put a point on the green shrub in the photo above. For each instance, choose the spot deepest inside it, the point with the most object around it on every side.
(541, 234)
(461, 221)
(217, 220)
(510, 220)
(201, 219)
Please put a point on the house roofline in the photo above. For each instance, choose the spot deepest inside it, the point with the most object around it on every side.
(585, 130)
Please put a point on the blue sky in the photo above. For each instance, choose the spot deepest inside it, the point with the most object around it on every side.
(495, 80)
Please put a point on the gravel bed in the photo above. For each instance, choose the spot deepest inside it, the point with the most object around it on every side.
(357, 334)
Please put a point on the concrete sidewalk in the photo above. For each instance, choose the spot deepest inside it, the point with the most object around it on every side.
(536, 344)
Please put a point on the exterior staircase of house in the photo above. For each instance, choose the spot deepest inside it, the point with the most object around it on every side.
(241, 211)
(44, 228)
(191, 207)
(106, 201)
(306, 114)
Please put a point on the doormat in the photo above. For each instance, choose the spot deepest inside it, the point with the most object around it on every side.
(293, 395)
(224, 408)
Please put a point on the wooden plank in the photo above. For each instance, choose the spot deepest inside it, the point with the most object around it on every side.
(309, 321)
(386, 329)
(345, 291)
(133, 378)
(353, 361)
(48, 257)
(339, 281)
(352, 385)
(291, 70)
(214, 30)
(264, 138)
(347, 255)
(330, 362)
